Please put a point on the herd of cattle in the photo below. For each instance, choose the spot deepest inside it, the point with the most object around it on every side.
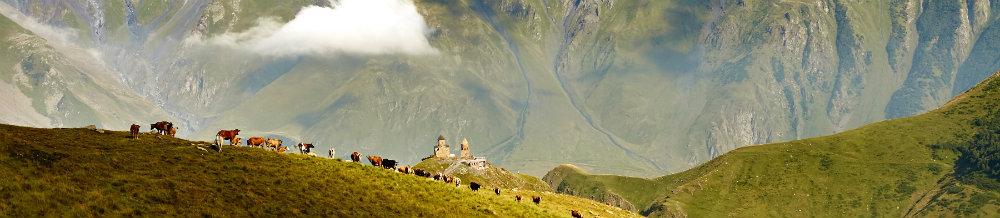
(162, 128)
(167, 128)
(388, 164)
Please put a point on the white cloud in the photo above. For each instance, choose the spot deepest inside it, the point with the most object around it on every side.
(366, 27)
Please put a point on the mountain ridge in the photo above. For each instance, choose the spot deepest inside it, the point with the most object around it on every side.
(908, 166)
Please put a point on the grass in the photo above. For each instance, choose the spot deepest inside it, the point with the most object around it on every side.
(489, 177)
(80, 172)
(888, 168)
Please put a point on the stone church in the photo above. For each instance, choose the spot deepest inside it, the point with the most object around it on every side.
(443, 150)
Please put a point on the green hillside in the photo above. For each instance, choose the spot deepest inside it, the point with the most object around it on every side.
(941, 163)
(85, 173)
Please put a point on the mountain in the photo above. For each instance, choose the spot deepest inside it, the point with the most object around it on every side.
(940, 163)
(50, 82)
(83, 172)
(638, 88)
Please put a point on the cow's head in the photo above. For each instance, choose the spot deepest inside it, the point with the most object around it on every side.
(236, 132)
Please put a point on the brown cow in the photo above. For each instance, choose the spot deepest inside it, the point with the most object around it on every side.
(419, 172)
(496, 190)
(304, 147)
(134, 130)
(356, 157)
(576, 214)
(228, 135)
(273, 144)
(173, 131)
(239, 141)
(282, 149)
(256, 142)
(518, 197)
(161, 127)
(375, 160)
(536, 199)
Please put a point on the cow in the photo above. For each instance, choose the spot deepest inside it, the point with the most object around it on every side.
(418, 171)
(218, 143)
(458, 182)
(375, 160)
(173, 131)
(218, 140)
(304, 147)
(239, 141)
(332, 152)
(256, 142)
(576, 214)
(273, 144)
(437, 177)
(474, 186)
(134, 130)
(404, 169)
(389, 164)
(282, 149)
(228, 135)
(161, 127)
(518, 197)
(496, 190)
(536, 199)
(356, 157)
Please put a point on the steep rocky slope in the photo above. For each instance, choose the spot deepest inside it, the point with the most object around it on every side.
(49, 82)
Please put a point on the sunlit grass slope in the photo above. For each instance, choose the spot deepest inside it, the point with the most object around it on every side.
(81, 172)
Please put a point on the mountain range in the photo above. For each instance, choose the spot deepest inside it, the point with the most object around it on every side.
(635, 88)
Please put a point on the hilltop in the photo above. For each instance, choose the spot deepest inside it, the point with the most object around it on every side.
(940, 163)
(82, 172)
(492, 176)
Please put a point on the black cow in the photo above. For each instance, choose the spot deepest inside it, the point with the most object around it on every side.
(474, 186)
(388, 164)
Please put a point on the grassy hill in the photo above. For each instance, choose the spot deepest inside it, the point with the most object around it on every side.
(941, 163)
(82, 172)
(490, 177)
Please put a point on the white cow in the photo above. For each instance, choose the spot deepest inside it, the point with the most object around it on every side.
(218, 142)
